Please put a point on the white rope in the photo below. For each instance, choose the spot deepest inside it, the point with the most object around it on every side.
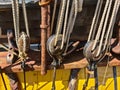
(65, 24)
(101, 25)
(17, 18)
(71, 22)
(95, 20)
(60, 20)
(112, 21)
(104, 28)
(53, 16)
(14, 18)
(25, 17)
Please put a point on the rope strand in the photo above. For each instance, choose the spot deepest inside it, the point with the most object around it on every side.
(25, 17)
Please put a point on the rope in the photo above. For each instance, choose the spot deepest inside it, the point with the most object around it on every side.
(101, 24)
(24, 75)
(87, 78)
(53, 16)
(105, 74)
(65, 23)
(4, 47)
(15, 11)
(60, 20)
(59, 26)
(54, 77)
(18, 61)
(86, 82)
(96, 77)
(71, 22)
(17, 18)
(19, 39)
(95, 20)
(115, 77)
(112, 21)
(25, 17)
(104, 28)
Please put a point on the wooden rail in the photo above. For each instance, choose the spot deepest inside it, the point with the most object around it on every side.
(76, 60)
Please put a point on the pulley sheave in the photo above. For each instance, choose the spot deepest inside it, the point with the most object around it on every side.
(52, 49)
(92, 54)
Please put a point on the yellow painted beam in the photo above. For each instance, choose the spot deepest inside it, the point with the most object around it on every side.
(35, 81)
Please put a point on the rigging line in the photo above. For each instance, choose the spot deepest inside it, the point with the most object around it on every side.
(105, 74)
(71, 21)
(4, 47)
(53, 16)
(24, 74)
(65, 23)
(17, 18)
(95, 20)
(54, 77)
(60, 20)
(14, 18)
(115, 77)
(104, 28)
(101, 25)
(86, 82)
(69, 25)
(114, 67)
(108, 59)
(87, 76)
(96, 77)
(112, 21)
(72, 11)
(108, 47)
(25, 17)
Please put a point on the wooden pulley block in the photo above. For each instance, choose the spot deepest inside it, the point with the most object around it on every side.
(91, 54)
(54, 50)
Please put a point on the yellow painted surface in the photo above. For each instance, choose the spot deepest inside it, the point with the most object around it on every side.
(37, 82)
